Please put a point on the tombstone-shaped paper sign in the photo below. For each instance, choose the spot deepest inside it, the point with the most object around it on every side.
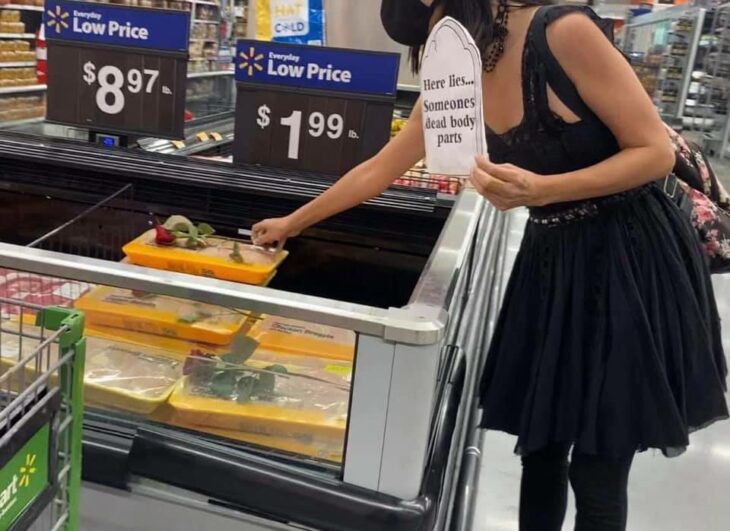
(451, 87)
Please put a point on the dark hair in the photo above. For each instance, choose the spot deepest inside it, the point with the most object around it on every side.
(477, 18)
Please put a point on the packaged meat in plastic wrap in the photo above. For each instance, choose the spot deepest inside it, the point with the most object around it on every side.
(299, 337)
(162, 315)
(275, 394)
(117, 375)
(37, 289)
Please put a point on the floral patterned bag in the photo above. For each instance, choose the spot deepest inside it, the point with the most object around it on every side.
(696, 190)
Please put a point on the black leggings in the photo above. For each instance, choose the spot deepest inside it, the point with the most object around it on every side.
(599, 484)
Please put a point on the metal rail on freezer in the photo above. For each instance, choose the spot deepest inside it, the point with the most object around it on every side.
(204, 174)
(421, 322)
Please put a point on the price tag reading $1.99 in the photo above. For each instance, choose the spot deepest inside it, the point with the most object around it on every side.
(451, 88)
(318, 124)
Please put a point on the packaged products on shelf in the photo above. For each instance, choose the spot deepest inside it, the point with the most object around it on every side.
(396, 125)
(195, 250)
(17, 77)
(289, 336)
(162, 315)
(117, 375)
(9, 15)
(211, 31)
(22, 107)
(180, 5)
(179, 347)
(205, 12)
(271, 394)
(37, 3)
(419, 177)
(37, 289)
(10, 21)
(128, 377)
(199, 89)
(15, 51)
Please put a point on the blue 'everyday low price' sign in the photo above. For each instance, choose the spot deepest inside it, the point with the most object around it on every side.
(308, 67)
(164, 30)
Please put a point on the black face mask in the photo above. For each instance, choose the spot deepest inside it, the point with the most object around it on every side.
(406, 21)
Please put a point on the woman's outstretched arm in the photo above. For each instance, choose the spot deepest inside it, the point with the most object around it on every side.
(363, 182)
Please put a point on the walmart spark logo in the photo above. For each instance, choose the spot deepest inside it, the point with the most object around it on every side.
(251, 61)
(57, 19)
(27, 470)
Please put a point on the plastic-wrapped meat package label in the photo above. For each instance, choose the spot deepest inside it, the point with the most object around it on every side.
(308, 339)
(130, 369)
(37, 289)
(116, 374)
(271, 394)
(161, 315)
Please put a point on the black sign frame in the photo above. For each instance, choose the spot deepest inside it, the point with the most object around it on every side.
(59, 109)
(371, 115)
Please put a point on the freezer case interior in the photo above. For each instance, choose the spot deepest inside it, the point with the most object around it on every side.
(277, 385)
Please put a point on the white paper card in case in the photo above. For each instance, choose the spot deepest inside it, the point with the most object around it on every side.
(451, 87)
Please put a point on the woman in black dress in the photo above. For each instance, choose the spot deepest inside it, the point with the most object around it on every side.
(609, 338)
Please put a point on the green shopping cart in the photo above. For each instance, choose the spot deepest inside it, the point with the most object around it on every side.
(41, 411)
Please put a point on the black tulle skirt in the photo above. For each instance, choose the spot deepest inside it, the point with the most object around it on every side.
(609, 336)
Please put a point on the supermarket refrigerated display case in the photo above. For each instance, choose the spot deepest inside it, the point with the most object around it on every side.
(368, 433)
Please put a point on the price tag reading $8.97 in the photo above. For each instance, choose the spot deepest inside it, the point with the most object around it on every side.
(113, 83)
(116, 69)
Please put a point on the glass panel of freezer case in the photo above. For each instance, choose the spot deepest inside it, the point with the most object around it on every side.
(229, 373)
(263, 380)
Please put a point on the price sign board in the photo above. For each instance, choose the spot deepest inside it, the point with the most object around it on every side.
(311, 108)
(117, 69)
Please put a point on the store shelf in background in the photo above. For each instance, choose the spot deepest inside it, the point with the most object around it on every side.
(203, 40)
(199, 21)
(13, 65)
(17, 36)
(197, 98)
(18, 90)
(25, 121)
(22, 8)
(204, 3)
(195, 75)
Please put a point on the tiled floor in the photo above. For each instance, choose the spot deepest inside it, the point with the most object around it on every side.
(689, 493)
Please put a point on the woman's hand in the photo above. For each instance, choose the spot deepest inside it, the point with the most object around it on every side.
(506, 186)
(274, 231)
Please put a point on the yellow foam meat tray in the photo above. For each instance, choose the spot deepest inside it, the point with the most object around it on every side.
(262, 419)
(161, 315)
(129, 377)
(311, 400)
(116, 374)
(258, 266)
(299, 337)
(181, 348)
(331, 451)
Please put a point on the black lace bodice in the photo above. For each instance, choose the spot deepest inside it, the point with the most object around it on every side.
(543, 142)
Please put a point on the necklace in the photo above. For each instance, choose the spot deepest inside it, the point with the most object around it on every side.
(499, 30)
